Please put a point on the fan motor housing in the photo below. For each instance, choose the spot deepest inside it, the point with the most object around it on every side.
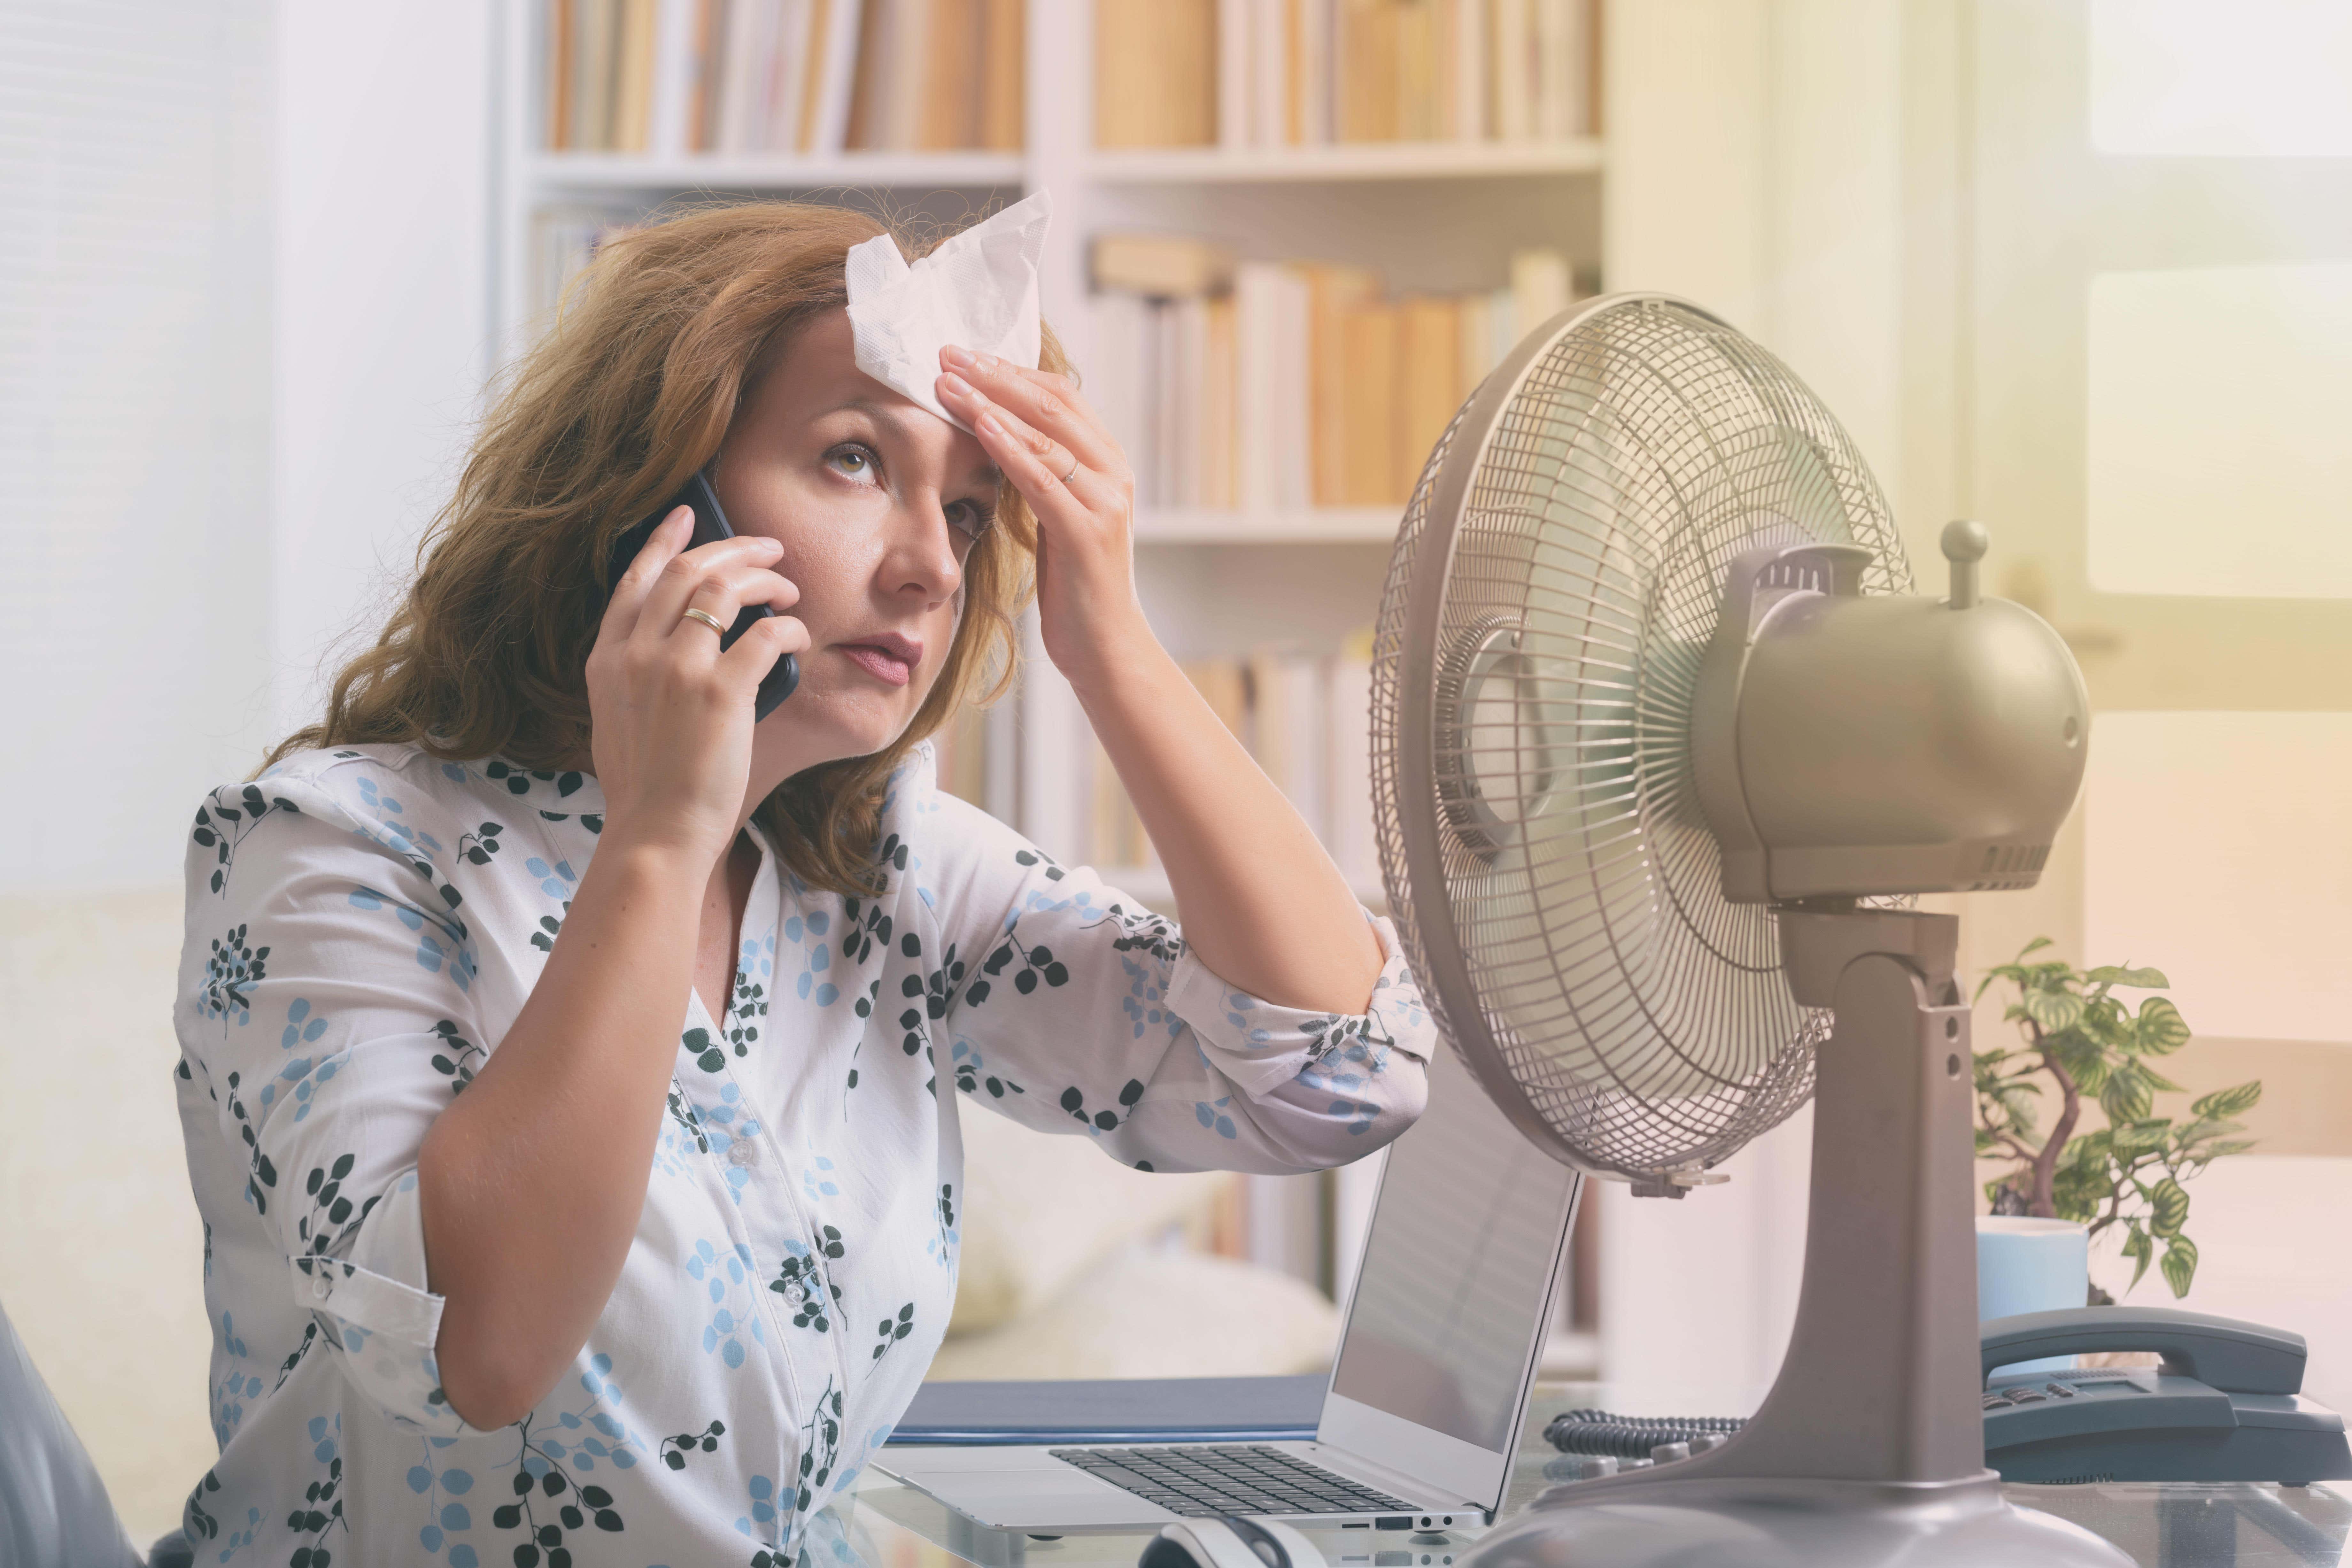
(1881, 744)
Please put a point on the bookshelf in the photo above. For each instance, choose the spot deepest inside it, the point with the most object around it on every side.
(1439, 216)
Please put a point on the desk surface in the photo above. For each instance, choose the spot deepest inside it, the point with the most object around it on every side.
(2171, 1526)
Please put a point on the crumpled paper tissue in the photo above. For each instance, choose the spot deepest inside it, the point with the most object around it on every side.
(978, 290)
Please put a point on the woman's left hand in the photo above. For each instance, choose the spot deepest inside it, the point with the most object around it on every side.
(1076, 481)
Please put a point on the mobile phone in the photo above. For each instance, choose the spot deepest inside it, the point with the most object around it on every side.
(710, 524)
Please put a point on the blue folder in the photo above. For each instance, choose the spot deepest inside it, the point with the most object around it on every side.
(1116, 1410)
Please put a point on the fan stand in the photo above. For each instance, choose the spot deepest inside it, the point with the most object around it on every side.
(1869, 1450)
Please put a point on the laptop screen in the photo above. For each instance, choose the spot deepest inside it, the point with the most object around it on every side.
(1450, 1303)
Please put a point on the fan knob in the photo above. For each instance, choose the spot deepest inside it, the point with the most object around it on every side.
(1964, 543)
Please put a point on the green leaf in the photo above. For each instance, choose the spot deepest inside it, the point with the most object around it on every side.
(2179, 1265)
(2232, 1101)
(2126, 1098)
(2150, 1133)
(2053, 1010)
(2167, 1204)
(2234, 1146)
(2036, 945)
(2138, 1248)
(2161, 1029)
(2138, 979)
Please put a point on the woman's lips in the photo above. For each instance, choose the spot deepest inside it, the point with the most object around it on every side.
(880, 663)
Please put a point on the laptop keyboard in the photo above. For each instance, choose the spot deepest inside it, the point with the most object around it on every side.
(1201, 1479)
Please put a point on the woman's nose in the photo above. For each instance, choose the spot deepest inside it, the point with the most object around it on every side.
(925, 560)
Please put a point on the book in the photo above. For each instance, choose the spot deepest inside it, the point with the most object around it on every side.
(1236, 99)
(1155, 73)
(843, 28)
(633, 88)
(595, 43)
(1330, 291)
(1167, 265)
(1219, 423)
(1003, 68)
(1369, 403)
(562, 42)
(1120, 384)
(949, 109)
(787, 77)
(752, 76)
(751, 35)
(1429, 383)
(1269, 28)
(678, 50)
(1510, 34)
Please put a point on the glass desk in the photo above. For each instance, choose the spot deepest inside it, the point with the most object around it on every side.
(885, 1525)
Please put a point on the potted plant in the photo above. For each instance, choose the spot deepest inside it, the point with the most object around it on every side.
(2079, 1038)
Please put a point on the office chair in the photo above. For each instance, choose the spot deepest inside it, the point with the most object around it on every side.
(54, 1511)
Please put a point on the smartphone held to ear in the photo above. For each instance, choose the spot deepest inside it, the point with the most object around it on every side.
(709, 526)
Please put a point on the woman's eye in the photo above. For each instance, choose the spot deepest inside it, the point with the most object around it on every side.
(853, 461)
(970, 517)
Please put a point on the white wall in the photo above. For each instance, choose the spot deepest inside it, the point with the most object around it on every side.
(243, 320)
(383, 309)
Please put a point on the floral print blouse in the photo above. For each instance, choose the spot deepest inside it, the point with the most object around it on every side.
(364, 926)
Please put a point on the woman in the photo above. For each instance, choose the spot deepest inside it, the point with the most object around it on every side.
(567, 1057)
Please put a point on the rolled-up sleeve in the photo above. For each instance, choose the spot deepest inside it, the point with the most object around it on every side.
(323, 1005)
(1073, 1008)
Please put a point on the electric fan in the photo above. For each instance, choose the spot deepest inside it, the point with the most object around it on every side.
(1660, 740)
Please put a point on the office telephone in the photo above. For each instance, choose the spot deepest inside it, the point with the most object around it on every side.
(2225, 1405)
(709, 525)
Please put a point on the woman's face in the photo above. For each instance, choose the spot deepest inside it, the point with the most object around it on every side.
(877, 502)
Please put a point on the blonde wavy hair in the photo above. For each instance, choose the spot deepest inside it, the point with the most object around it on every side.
(658, 347)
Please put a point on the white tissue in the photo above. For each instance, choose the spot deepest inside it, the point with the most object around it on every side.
(978, 291)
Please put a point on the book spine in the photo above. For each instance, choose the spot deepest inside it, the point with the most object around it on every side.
(1317, 34)
(1002, 67)
(562, 43)
(844, 25)
(1510, 47)
(1468, 58)
(1269, 72)
(1233, 91)
(634, 95)
(787, 72)
(1257, 302)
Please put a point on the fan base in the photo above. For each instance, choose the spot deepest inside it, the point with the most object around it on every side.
(1789, 1523)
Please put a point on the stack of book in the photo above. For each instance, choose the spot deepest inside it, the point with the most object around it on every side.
(1269, 386)
(1307, 720)
(674, 77)
(1273, 73)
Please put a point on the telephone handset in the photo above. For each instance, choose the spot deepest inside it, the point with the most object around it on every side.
(2224, 1405)
(709, 525)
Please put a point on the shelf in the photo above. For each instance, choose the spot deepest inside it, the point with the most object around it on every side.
(591, 172)
(1346, 161)
(1319, 525)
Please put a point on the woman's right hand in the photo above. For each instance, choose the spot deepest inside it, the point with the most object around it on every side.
(671, 714)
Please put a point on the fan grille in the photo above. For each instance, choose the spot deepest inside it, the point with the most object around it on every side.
(1612, 995)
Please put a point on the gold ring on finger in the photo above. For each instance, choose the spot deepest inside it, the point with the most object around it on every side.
(1072, 474)
(706, 617)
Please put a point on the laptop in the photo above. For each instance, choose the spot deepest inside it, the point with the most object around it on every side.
(1445, 1330)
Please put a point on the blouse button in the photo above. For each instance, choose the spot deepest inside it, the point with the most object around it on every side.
(744, 1152)
(319, 1288)
(797, 1294)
